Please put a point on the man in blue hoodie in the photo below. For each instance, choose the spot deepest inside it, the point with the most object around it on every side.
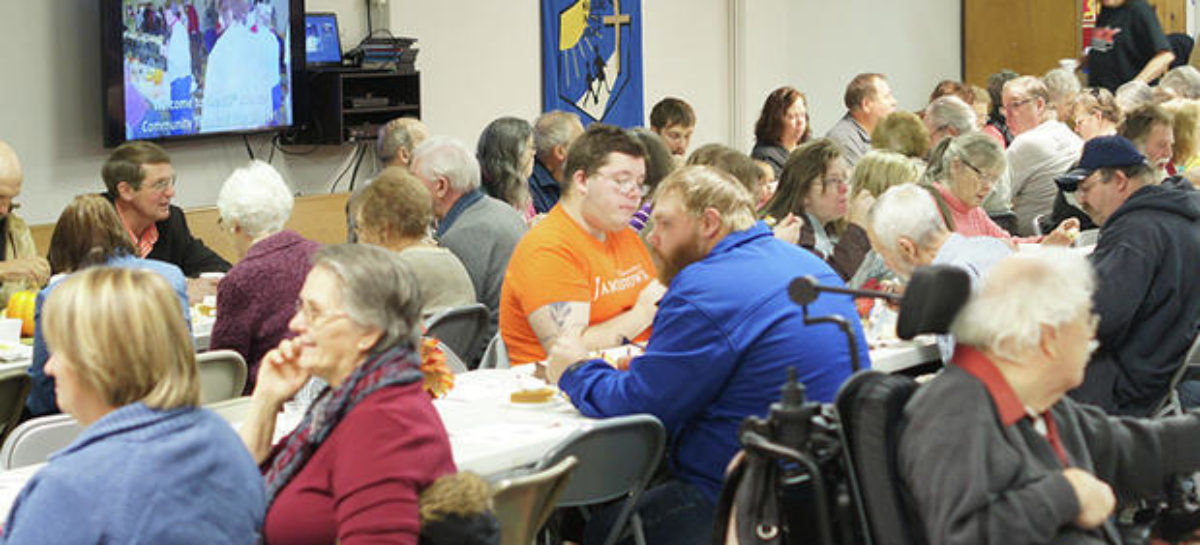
(724, 336)
(1148, 296)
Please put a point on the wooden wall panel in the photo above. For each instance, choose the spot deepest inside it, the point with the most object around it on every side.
(1027, 36)
(1172, 15)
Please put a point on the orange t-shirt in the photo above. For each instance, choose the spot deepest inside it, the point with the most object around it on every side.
(558, 261)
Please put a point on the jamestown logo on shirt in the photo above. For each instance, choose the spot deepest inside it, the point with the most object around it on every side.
(624, 280)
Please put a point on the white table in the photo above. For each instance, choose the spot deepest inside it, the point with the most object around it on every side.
(895, 356)
(490, 435)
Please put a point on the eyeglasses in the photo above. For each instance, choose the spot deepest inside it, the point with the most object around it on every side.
(833, 182)
(625, 182)
(316, 319)
(163, 185)
(1014, 105)
(991, 180)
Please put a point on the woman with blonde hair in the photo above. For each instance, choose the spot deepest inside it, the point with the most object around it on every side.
(875, 172)
(1096, 113)
(149, 466)
(1185, 152)
(88, 232)
(901, 132)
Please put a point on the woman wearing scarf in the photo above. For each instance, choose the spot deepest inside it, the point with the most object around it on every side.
(352, 470)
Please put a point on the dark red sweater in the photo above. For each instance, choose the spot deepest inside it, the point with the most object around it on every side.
(361, 485)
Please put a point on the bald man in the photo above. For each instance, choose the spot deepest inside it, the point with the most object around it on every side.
(22, 267)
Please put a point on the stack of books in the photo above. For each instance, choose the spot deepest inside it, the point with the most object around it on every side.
(397, 54)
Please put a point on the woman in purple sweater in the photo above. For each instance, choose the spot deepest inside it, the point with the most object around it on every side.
(257, 297)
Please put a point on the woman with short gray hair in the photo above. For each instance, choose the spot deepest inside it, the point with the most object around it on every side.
(254, 300)
(372, 438)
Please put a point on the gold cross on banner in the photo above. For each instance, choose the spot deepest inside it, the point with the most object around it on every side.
(617, 19)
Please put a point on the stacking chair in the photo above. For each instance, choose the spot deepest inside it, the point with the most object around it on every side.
(222, 375)
(14, 388)
(496, 355)
(35, 440)
(461, 328)
(1170, 403)
(617, 458)
(522, 504)
(232, 410)
(454, 362)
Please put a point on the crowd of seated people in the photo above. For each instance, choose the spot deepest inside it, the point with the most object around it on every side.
(581, 239)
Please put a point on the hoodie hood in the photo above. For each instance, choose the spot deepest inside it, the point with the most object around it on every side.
(1178, 200)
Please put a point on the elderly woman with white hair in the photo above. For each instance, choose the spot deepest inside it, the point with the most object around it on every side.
(257, 297)
(995, 452)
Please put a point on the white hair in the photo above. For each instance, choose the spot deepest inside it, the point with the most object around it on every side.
(905, 210)
(1134, 94)
(1028, 290)
(444, 156)
(1061, 84)
(256, 197)
(950, 111)
(1183, 80)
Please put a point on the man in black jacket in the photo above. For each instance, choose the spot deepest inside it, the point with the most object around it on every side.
(1148, 296)
(140, 182)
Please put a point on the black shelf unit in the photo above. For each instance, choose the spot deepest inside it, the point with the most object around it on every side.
(335, 119)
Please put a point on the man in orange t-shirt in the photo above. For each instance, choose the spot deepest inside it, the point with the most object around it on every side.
(582, 268)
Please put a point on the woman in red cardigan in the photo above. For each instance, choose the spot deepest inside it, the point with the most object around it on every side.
(352, 470)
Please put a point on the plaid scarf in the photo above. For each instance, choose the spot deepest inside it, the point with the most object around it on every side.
(395, 366)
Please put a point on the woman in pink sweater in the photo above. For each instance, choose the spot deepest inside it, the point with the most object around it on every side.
(967, 170)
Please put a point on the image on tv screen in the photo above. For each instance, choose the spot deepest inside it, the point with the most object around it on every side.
(205, 66)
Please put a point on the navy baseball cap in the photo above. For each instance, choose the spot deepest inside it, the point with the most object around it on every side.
(1101, 152)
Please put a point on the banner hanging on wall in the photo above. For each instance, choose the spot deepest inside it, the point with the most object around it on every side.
(592, 60)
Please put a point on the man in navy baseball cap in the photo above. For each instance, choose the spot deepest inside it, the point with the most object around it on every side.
(1101, 152)
(1147, 294)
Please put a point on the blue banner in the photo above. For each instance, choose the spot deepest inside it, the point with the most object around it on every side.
(592, 60)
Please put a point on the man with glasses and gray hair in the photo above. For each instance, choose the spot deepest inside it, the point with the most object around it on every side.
(1042, 148)
(21, 267)
(140, 182)
(582, 269)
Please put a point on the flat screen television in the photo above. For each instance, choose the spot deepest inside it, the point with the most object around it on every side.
(175, 69)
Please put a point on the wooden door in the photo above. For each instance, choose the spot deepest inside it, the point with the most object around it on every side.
(1172, 15)
(1026, 36)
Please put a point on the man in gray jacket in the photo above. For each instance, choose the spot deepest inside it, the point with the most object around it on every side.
(480, 230)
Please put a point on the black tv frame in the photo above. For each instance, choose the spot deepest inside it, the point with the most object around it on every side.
(112, 76)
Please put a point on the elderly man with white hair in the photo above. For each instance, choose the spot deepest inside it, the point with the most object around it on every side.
(257, 298)
(906, 229)
(480, 230)
(994, 451)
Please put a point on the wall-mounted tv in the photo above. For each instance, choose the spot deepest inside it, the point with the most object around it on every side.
(183, 68)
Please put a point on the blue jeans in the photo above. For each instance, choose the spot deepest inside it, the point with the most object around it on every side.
(672, 513)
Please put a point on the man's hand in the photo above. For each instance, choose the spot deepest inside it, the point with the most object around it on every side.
(567, 349)
(788, 229)
(34, 270)
(1064, 234)
(859, 207)
(1096, 499)
(649, 296)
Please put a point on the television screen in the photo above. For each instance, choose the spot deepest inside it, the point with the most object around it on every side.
(321, 43)
(180, 68)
